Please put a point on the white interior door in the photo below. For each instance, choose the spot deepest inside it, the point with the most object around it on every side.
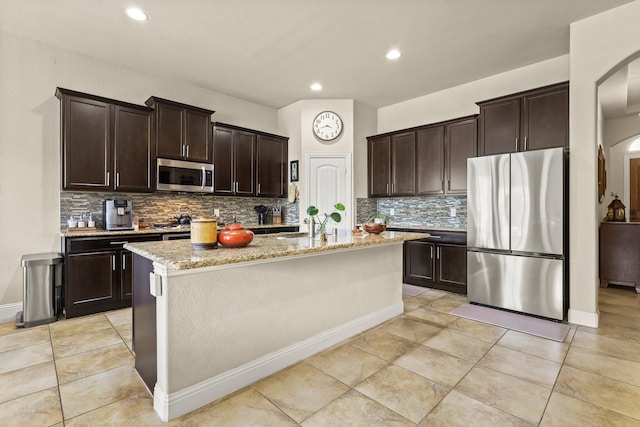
(329, 182)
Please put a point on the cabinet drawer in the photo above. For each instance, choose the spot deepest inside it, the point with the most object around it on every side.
(88, 244)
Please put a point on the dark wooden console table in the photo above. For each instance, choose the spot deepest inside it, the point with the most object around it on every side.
(620, 254)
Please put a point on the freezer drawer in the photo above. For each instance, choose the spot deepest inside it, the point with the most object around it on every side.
(525, 284)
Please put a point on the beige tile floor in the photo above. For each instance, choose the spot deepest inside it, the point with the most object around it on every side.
(426, 368)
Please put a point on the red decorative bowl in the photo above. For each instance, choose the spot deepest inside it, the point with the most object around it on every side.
(235, 238)
(374, 227)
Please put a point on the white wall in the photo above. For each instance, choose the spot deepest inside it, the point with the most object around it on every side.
(618, 135)
(298, 117)
(365, 120)
(598, 44)
(30, 137)
(461, 100)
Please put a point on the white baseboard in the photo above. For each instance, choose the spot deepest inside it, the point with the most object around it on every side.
(169, 406)
(8, 311)
(583, 318)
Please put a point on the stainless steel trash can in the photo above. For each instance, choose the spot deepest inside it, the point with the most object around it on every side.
(42, 280)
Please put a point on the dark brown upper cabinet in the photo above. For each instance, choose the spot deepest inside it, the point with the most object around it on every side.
(530, 120)
(271, 165)
(234, 156)
(183, 132)
(460, 145)
(442, 153)
(248, 162)
(391, 164)
(107, 145)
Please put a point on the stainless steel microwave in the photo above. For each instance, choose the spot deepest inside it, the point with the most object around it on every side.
(178, 175)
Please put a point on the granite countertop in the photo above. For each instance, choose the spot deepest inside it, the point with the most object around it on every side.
(179, 229)
(181, 255)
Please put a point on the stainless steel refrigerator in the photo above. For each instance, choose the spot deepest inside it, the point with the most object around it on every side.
(516, 232)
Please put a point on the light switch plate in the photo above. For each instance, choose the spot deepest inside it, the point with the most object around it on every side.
(216, 212)
(392, 212)
(453, 212)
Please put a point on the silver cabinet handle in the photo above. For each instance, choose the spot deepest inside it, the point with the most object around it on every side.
(181, 150)
(187, 150)
(117, 179)
(258, 188)
(438, 253)
(113, 262)
(525, 143)
(393, 188)
(516, 144)
(204, 177)
(124, 262)
(431, 252)
(387, 188)
(119, 243)
(108, 178)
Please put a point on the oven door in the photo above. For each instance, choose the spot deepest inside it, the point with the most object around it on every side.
(178, 175)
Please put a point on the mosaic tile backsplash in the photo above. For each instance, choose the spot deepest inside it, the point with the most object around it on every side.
(162, 207)
(422, 212)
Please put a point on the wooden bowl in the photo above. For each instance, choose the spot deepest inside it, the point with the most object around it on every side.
(235, 238)
(374, 227)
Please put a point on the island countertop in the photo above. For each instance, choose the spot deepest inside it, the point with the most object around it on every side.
(181, 255)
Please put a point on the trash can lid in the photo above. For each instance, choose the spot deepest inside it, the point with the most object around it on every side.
(49, 258)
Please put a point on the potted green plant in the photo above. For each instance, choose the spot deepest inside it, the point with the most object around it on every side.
(335, 216)
(376, 223)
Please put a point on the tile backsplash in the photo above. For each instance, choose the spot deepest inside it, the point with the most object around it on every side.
(423, 212)
(161, 207)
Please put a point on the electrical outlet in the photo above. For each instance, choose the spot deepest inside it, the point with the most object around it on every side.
(392, 212)
(216, 212)
(453, 212)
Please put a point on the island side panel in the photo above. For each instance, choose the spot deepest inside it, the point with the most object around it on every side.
(144, 322)
(223, 319)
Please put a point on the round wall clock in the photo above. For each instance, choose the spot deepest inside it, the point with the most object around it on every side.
(327, 126)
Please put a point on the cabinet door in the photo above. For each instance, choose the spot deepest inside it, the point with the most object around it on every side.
(418, 263)
(430, 161)
(499, 127)
(133, 145)
(403, 164)
(86, 144)
(91, 280)
(546, 119)
(460, 145)
(223, 160)
(452, 266)
(197, 137)
(271, 166)
(169, 131)
(244, 162)
(126, 275)
(379, 166)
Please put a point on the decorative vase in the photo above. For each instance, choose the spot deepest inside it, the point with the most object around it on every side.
(322, 231)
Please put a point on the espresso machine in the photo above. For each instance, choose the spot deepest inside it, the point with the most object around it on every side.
(117, 215)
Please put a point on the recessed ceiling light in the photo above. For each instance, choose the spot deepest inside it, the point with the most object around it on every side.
(136, 14)
(316, 87)
(393, 54)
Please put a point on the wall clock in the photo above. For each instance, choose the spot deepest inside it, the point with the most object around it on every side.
(327, 126)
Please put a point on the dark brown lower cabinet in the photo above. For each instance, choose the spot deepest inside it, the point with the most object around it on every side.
(619, 254)
(436, 265)
(98, 273)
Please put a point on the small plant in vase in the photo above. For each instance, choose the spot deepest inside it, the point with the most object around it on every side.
(376, 223)
(335, 216)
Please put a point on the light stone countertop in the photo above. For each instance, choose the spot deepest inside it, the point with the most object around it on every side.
(181, 255)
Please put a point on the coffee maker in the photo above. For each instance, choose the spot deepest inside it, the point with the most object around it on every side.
(117, 215)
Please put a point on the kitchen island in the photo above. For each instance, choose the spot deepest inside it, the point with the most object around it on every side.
(209, 322)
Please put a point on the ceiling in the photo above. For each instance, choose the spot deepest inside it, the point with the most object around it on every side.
(270, 51)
